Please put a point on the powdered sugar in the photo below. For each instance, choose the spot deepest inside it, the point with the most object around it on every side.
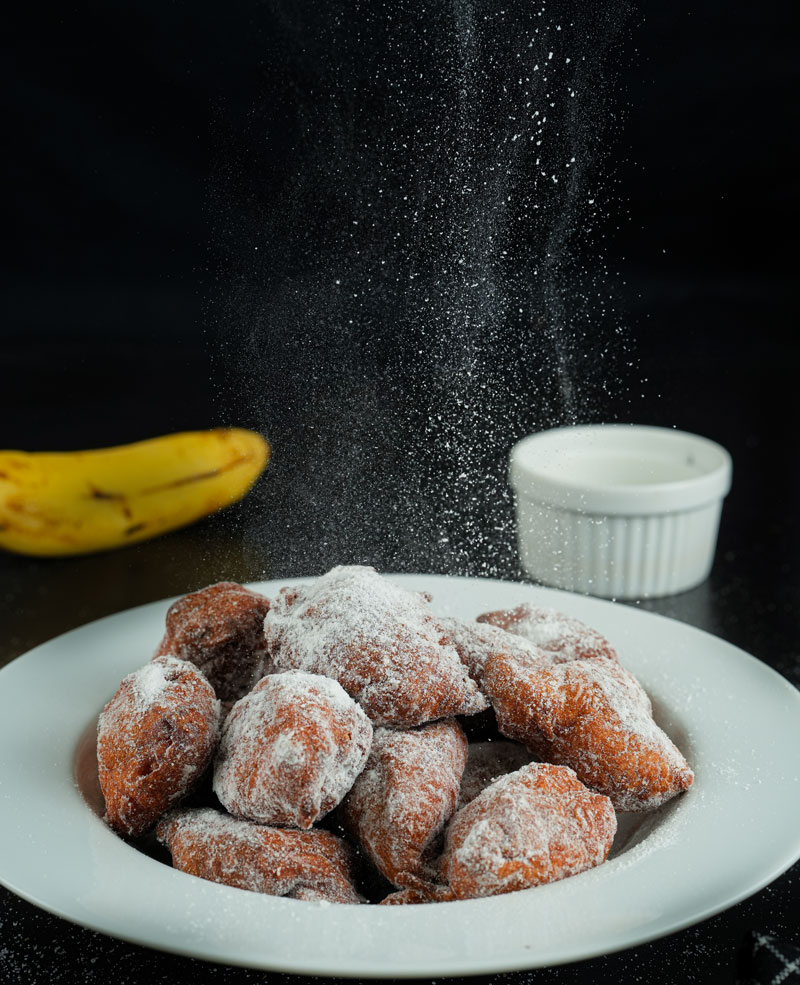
(404, 797)
(378, 640)
(616, 690)
(290, 750)
(285, 751)
(476, 642)
(149, 684)
(532, 826)
(164, 683)
(563, 637)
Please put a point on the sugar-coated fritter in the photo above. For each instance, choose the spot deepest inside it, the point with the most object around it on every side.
(344, 693)
(594, 716)
(405, 796)
(378, 640)
(154, 740)
(311, 865)
(562, 637)
(221, 630)
(530, 827)
(290, 750)
(476, 642)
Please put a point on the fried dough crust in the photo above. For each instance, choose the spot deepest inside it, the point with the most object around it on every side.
(594, 716)
(530, 827)
(154, 740)
(401, 802)
(290, 750)
(311, 865)
(220, 629)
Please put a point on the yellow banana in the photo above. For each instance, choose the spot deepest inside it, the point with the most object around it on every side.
(59, 503)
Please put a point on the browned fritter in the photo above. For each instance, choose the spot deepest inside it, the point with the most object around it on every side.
(425, 894)
(401, 802)
(530, 827)
(378, 640)
(154, 739)
(594, 716)
(290, 750)
(311, 865)
(221, 630)
(563, 638)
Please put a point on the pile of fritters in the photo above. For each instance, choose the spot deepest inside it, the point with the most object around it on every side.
(332, 725)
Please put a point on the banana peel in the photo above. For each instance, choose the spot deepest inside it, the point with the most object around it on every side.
(61, 503)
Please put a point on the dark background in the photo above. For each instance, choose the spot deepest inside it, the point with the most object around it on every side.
(181, 247)
(181, 185)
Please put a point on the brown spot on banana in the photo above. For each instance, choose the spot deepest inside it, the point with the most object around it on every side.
(187, 480)
(96, 493)
(119, 498)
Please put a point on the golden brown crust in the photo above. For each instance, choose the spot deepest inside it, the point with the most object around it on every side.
(311, 865)
(220, 629)
(290, 750)
(531, 827)
(405, 796)
(155, 738)
(595, 717)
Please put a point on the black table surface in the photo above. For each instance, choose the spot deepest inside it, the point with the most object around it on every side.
(750, 599)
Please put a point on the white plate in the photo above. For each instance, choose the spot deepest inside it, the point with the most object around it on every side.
(737, 721)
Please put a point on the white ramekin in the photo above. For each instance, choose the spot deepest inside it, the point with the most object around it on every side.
(618, 510)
